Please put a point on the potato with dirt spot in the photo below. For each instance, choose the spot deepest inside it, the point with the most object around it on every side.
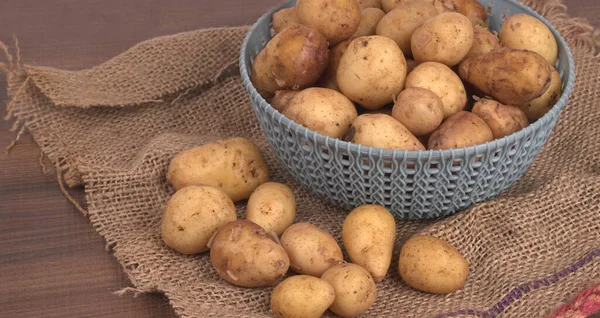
(329, 78)
(502, 119)
(420, 110)
(355, 290)
(538, 107)
(483, 43)
(460, 130)
(272, 206)
(369, 19)
(302, 296)
(282, 99)
(337, 20)
(285, 18)
(382, 131)
(369, 4)
(524, 32)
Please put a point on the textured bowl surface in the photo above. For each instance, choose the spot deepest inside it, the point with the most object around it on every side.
(411, 184)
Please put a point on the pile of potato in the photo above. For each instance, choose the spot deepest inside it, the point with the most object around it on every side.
(407, 74)
(259, 250)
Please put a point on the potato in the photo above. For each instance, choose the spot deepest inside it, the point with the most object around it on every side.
(478, 22)
(329, 78)
(420, 110)
(295, 58)
(282, 99)
(193, 215)
(524, 32)
(445, 38)
(400, 23)
(432, 265)
(511, 77)
(372, 71)
(311, 250)
(386, 110)
(245, 255)
(382, 131)
(369, 19)
(541, 105)
(302, 296)
(369, 233)
(503, 120)
(272, 206)
(337, 20)
(389, 5)
(460, 130)
(323, 110)
(470, 8)
(355, 290)
(285, 18)
(441, 80)
(443, 6)
(369, 4)
(484, 42)
(234, 165)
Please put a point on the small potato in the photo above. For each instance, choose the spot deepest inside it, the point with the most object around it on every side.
(420, 110)
(272, 206)
(484, 42)
(369, 19)
(541, 105)
(445, 38)
(502, 119)
(470, 8)
(323, 110)
(285, 18)
(337, 20)
(369, 4)
(245, 255)
(311, 250)
(372, 71)
(302, 296)
(234, 165)
(369, 233)
(193, 215)
(355, 290)
(329, 78)
(282, 99)
(382, 131)
(432, 265)
(400, 23)
(524, 32)
(441, 80)
(460, 130)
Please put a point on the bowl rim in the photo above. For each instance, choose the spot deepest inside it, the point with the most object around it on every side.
(334, 143)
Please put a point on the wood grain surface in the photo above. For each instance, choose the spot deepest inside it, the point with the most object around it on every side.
(52, 262)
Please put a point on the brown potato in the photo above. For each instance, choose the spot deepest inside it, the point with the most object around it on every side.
(282, 99)
(484, 42)
(368, 22)
(503, 120)
(329, 78)
(460, 130)
(470, 8)
(524, 32)
(355, 290)
(541, 105)
(369, 4)
(285, 18)
(420, 110)
(382, 131)
(337, 20)
(302, 296)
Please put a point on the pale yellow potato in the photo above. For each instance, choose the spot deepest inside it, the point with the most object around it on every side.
(193, 214)
(420, 110)
(323, 110)
(524, 32)
(382, 131)
(444, 6)
(329, 78)
(337, 20)
(302, 296)
(285, 18)
(541, 105)
(372, 71)
(234, 165)
(244, 254)
(460, 130)
(311, 250)
(441, 80)
(369, 4)
(502, 119)
(369, 233)
(400, 23)
(484, 42)
(369, 19)
(389, 5)
(282, 99)
(431, 265)
(272, 206)
(355, 290)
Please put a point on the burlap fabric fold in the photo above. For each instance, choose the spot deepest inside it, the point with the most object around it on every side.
(114, 128)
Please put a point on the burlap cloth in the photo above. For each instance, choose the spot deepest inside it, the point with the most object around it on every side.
(113, 129)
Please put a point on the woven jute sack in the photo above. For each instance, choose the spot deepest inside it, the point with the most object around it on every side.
(114, 128)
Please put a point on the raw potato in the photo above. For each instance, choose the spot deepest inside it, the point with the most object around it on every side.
(541, 105)
(420, 110)
(369, 4)
(311, 250)
(355, 290)
(369, 233)
(470, 8)
(193, 215)
(329, 78)
(372, 71)
(302, 296)
(478, 22)
(382, 131)
(432, 265)
(443, 6)
(368, 22)
(386, 110)
(389, 5)
(445, 38)
(484, 42)
(323, 110)
(282, 99)
(285, 18)
(503, 120)
(245, 255)
(295, 58)
(460, 130)
(272, 206)
(337, 20)
(511, 77)
(400, 23)
(524, 32)
(234, 165)
(441, 80)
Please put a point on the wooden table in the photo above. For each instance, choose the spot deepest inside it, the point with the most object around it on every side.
(52, 262)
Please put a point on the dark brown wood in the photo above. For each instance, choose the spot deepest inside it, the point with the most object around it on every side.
(52, 262)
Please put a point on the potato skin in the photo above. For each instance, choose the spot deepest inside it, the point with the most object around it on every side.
(311, 250)
(538, 107)
(193, 214)
(337, 20)
(369, 4)
(484, 42)
(282, 99)
(329, 78)
(470, 9)
(369, 19)
(524, 32)
(432, 265)
(244, 254)
(389, 5)
(460, 130)
(383, 131)
(503, 120)
(272, 206)
(302, 296)
(285, 18)
(355, 290)
(420, 110)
